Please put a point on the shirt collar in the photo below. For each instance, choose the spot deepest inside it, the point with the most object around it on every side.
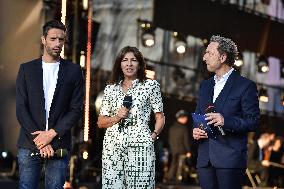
(224, 77)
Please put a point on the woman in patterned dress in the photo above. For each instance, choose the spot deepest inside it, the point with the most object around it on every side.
(128, 159)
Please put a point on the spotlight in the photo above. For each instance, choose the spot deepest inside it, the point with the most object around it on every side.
(180, 47)
(263, 95)
(7, 163)
(180, 43)
(239, 61)
(205, 42)
(148, 33)
(148, 39)
(85, 4)
(150, 72)
(82, 59)
(85, 155)
(262, 64)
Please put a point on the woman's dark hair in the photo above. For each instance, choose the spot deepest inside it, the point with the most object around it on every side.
(52, 24)
(117, 74)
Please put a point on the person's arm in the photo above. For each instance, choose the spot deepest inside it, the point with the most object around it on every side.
(159, 125)
(157, 106)
(22, 110)
(107, 121)
(249, 120)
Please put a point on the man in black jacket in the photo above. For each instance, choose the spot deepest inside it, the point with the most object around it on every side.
(179, 142)
(49, 98)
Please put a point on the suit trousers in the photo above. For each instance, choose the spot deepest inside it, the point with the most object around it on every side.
(221, 178)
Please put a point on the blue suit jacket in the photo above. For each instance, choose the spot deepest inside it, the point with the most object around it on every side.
(238, 103)
(66, 107)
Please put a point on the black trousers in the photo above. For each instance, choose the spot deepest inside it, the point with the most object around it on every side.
(220, 178)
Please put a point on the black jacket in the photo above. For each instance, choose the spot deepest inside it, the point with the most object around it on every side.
(66, 107)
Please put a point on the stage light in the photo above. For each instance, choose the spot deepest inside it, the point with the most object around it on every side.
(150, 74)
(239, 61)
(4, 154)
(262, 64)
(263, 95)
(150, 71)
(63, 20)
(85, 154)
(180, 47)
(85, 4)
(205, 42)
(148, 33)
(7, 163)
(82, 59)
(179, 43)
(148, 39)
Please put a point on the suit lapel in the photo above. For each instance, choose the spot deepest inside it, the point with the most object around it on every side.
(207, 96)
(38, 78)
(60, 79)
(210, 91)
(61, 76)
(221, 99)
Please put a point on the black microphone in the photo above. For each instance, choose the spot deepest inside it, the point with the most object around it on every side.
(211, 109)
(60, 153)
(127, 102)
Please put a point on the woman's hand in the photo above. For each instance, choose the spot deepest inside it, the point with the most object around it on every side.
(122, 112)
(154, 136)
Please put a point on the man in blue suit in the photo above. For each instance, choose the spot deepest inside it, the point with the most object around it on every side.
(49, 98)
(222, 159)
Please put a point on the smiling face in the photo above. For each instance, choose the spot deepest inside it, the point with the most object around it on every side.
(213, 59)
(53, 43)
(130, 66)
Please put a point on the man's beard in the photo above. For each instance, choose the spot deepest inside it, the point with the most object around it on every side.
(52, 53)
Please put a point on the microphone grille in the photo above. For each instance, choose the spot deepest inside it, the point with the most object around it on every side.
(127, 101)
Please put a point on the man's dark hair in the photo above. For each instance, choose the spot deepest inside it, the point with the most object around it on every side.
(52, 24)
(226, 46)
(117, 73)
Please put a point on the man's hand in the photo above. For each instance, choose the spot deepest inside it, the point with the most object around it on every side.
(188, 154)
(47, 151)
(199, 134)
(43, 138)
(215, 118)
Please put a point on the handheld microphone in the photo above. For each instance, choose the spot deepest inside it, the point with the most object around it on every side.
(60, 153)
(211, 109)
(127, 102)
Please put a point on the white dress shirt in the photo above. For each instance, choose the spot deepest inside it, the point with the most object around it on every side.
(219, 84)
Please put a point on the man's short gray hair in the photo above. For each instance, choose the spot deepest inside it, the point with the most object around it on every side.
(226, 46)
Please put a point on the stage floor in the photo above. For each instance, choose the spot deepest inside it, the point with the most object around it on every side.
(12, 184)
